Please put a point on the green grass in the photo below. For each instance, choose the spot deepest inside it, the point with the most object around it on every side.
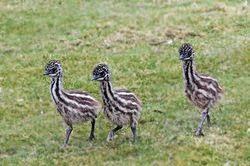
(121, 33)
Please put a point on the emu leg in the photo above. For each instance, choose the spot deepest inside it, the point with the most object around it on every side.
(92, 132)
(203, 118)
(68, 132)
(208, 120)
(112, 133)
(133, 129)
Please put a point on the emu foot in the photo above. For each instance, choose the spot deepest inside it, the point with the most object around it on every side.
(199, 133)
(64, 146)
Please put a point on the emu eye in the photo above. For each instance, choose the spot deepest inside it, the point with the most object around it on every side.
(102, 73)
(53, 70)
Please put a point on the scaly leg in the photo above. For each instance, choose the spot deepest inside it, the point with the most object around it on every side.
(112, 133)
(133, 129)
(208, 120)
(68, 132)
(203, 118)
(92, 132)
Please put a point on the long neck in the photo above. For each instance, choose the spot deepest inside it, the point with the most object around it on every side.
(107, 91)
(189, 73)
(56, 88)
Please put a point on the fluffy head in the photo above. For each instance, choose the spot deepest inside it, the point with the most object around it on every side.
(53, 69)
(186, 52)
(101, 72)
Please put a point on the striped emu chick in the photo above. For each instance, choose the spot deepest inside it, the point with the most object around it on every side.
(121, 107)
(73, 106)
(203, 91)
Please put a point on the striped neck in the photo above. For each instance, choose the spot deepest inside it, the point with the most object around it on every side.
(56, 88)
(189, 73)
(107, 91)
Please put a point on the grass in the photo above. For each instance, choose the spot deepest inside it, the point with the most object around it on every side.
(139, 40)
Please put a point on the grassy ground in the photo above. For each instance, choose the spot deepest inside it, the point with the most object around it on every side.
(139, 40)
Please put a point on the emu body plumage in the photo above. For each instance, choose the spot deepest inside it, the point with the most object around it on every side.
(203, 91)
(121, 106)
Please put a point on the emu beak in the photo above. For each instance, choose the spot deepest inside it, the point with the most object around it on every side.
(45, 74)
(181, 57)
(184, 59)
(94, 78)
